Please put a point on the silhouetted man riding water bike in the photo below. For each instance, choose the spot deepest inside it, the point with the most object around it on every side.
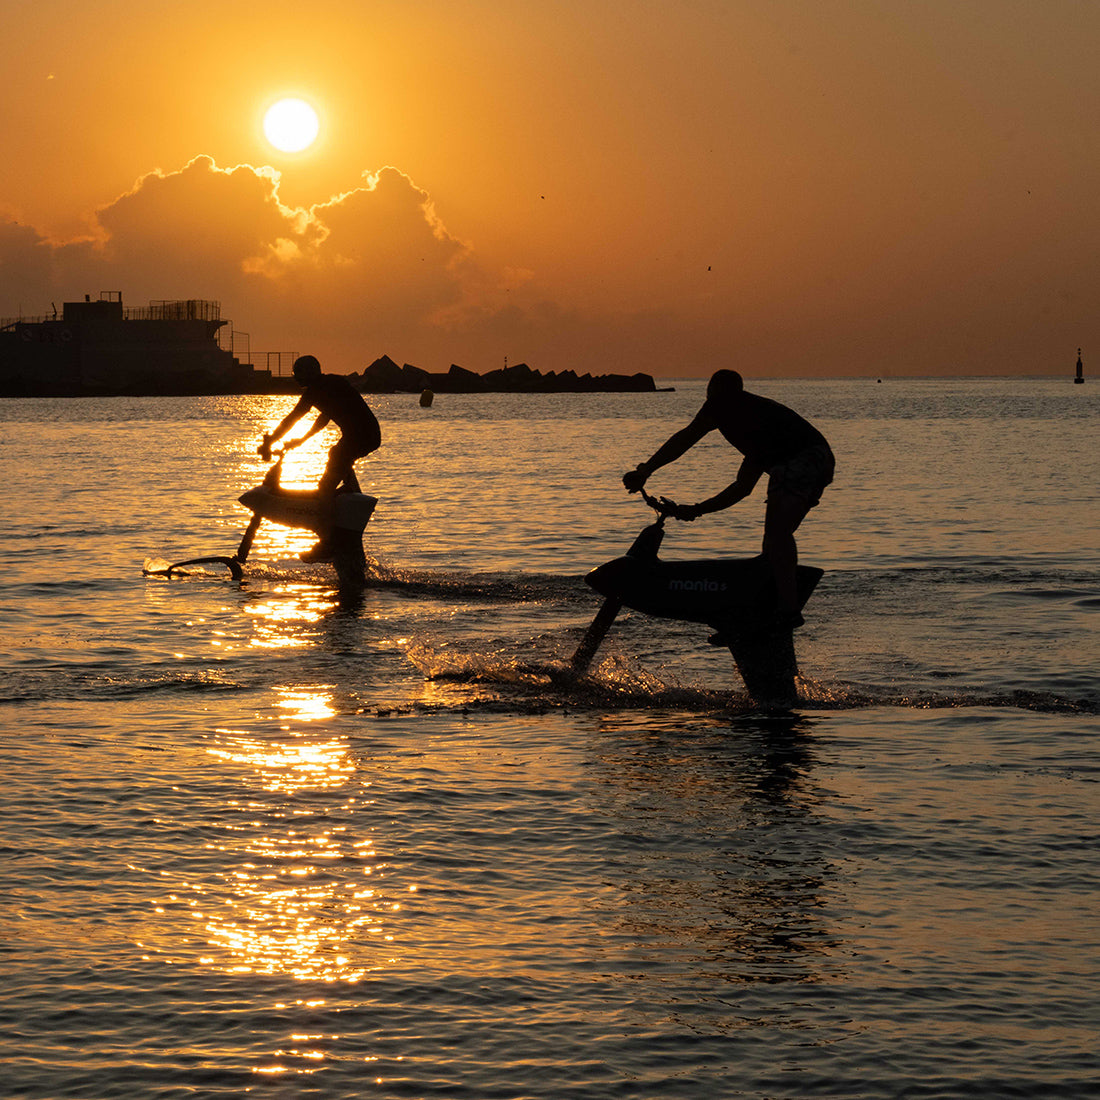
(339, 403)
(774, 440)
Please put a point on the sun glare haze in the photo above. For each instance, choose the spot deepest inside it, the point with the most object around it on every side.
(291, 125)
(807, 189)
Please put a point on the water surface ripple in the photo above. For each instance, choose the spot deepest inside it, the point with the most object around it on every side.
(263, 839)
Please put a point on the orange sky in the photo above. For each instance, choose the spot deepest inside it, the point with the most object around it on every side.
(782, 186)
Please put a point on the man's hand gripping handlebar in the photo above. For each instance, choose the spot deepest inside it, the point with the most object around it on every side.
(267, 454)
(665, 507)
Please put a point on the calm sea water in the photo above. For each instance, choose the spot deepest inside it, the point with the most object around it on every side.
(261, 840)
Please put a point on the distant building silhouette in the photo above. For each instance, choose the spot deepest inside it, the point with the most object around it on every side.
(98, 347)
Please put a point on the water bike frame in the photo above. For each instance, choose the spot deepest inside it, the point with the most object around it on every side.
(723, 593)
(736, 597)
(340, 518)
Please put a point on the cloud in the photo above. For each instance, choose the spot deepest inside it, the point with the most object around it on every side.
(26, 265)
(369, 271)
(200, 217)
(359, 273)
(379, 250)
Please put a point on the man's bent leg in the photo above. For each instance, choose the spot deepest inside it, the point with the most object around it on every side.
(340, 470)
(782, 517)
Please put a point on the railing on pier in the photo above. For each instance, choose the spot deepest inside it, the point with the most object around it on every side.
(280, 363)
(187, 309)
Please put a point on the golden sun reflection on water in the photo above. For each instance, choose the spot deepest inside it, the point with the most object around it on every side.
(277, 543)
(289, 766)
(297, 909)
(302, 469)
(297, 893)
(277, 623)
(306, 706)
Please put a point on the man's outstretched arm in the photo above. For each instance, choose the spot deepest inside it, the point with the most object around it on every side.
(748, 475)
(675, 446)
(288, 421)
(318, 425)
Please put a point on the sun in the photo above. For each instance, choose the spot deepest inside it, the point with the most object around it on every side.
(291, 125)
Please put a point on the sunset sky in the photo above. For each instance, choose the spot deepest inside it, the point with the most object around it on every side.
(788, 187)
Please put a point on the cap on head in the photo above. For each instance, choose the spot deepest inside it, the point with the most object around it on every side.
(725, 383)
(306, 367)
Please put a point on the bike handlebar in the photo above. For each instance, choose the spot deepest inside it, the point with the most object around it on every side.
(265, 451)
(661, 505)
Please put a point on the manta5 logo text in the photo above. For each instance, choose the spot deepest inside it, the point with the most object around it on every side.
(700, 585)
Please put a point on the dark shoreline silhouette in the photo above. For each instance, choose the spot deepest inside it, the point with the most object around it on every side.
(407, 379)
(385, 376)
(171, 349)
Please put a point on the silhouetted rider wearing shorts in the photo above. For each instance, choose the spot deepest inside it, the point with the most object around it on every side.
(338, 402)
(774, 440)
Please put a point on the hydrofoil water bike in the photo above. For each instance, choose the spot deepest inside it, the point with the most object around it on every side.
(735, 598)
(338, 520)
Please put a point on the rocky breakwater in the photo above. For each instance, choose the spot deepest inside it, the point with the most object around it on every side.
(385, 376)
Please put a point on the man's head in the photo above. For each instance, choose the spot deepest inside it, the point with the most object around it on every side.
(306, 369)
(724, 385)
